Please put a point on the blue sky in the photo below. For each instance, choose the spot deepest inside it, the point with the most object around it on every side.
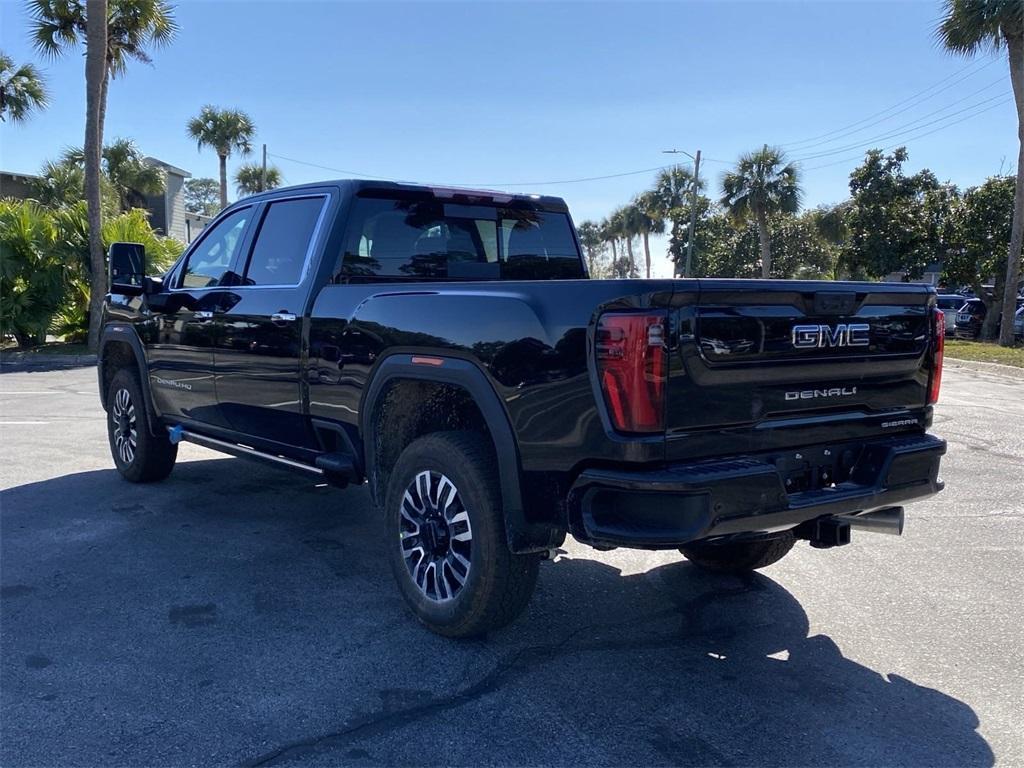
(523, 93)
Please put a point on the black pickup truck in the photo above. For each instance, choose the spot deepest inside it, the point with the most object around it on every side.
(445, 347)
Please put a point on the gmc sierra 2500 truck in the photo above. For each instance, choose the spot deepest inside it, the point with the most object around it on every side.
(446, 347)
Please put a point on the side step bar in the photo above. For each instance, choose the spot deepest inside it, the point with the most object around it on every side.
(331, 466)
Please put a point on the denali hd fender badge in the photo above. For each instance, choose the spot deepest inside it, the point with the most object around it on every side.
(171, 383)
(811, 394)
(842, 335)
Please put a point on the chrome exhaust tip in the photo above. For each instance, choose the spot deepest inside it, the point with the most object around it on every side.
(888, 520)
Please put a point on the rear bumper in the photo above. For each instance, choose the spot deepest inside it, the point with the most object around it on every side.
(665, 508)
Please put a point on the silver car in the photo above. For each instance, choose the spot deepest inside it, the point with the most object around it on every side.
(949, 303)
(1018, 324)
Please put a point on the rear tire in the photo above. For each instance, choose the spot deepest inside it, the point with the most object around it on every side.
(739, 556)
(139, 456)
(446, 539)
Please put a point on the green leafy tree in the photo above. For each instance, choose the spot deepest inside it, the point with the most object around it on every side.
(32, 274)
(249, 179)
(761, 185)
(114, 32)
(969, 27)
(889, 223)
(22, 90)
(799, 251)
(225, 131)
(202, 196)
(594, 247)
(982, 220)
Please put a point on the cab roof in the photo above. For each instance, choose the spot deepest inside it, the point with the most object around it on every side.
(440, 192)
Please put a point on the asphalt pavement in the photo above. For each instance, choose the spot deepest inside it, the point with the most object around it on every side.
(239, 615)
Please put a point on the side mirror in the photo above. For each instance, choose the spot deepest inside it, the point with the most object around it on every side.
(127, 264)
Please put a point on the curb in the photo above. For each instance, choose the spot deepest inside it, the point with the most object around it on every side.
(1011, 371)
(28, 362)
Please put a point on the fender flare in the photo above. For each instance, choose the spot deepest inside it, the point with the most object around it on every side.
(522, 535)
(124, 333)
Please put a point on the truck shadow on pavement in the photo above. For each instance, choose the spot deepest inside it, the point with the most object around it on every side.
(237, 615)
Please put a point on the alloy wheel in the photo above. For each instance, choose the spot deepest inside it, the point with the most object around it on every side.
(435, 536)
(125, 426)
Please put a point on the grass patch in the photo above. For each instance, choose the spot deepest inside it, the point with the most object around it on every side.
(985, 352)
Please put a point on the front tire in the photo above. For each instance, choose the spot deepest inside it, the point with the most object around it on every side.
(739, 556)
(139, 456)
(446, 541)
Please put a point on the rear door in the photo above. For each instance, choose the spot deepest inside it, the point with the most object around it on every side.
(763, 365)
(260, 339)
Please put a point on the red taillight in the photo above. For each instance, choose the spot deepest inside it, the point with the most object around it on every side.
(939, 345)
(631, 365)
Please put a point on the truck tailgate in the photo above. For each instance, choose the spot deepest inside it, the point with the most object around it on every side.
(762, 365)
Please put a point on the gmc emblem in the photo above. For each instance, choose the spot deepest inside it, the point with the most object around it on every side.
(842, 335)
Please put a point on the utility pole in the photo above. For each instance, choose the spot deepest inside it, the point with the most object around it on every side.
(693, 215)
(263, 173)
(693, 204)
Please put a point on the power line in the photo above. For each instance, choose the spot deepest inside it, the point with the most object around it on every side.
(853, 127)
(912, 138)
(921, 122)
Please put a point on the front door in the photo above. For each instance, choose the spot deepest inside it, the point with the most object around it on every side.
(181, 358)
(259, 341)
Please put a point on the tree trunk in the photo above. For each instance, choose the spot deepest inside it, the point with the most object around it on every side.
(95, 73)
(223, 181)
(615, 260)
(766, 246)
(647, 254)
(1015, 48)
(632, 261)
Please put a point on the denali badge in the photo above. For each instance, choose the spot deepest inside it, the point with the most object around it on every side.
(811, 394)
(842, 335)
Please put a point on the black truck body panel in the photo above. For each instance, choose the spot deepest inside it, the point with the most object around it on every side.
(274, 367)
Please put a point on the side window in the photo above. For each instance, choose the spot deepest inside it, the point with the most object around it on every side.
(282, 242)
(209, 263)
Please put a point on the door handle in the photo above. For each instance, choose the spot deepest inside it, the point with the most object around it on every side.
(282, 317)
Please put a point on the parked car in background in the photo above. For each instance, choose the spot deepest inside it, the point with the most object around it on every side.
(970, 317)
(1018, 324)
(950, 303)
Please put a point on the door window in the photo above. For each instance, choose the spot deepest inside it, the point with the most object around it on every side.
(210, 263)
(282, 242)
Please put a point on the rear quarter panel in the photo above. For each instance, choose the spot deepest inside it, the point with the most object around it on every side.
(531, 339)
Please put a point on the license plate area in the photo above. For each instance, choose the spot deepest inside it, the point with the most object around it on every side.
(817, 468)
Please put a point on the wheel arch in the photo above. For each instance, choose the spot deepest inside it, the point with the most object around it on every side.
(522, 535)
(120, 347)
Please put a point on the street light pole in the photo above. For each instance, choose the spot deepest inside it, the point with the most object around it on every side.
(693, 204)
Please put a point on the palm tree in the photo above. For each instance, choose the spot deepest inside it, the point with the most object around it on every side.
(21, 90)
(650, 219)
(249, 179)
(968, 27)
(623, 222)
(673, 190)
(225, 130)
(762, 184)
(127, 171)
(114, 32)
(609, 235)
